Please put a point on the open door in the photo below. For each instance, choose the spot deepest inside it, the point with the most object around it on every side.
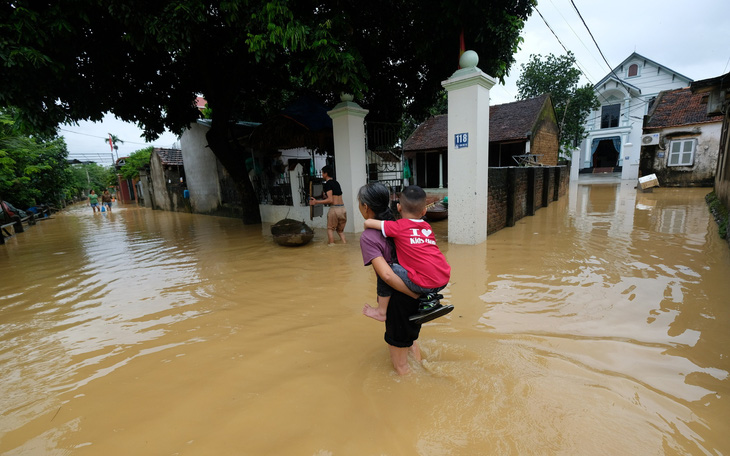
(315, 211)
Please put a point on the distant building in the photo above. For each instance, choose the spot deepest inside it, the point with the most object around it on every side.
(520, 131)
(626, 95)
(167, 181)
(680, 141)
(715, 93)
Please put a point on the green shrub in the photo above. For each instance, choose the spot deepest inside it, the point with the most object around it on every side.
(719, 211)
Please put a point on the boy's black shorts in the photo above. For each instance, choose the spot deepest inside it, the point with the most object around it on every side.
(399, 331)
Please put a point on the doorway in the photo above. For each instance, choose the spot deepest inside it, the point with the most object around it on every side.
(606, 152)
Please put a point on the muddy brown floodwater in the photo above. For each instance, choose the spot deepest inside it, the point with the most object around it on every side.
(599, 326)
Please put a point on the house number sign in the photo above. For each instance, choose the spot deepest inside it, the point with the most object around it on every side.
(461, 140)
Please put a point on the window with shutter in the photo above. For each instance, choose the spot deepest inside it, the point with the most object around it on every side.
(681, 152)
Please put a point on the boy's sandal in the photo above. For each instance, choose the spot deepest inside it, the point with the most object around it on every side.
(437, 311)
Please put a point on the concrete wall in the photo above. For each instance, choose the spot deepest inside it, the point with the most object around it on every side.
(158, 191)
(722, 175)
(166, 190)
(516, 192)
(201, 170)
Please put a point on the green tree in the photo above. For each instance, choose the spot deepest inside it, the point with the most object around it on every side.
(89, 176)
(138, 160)
(145, 61)
(559, 77)
(32, 170)
(115, 141)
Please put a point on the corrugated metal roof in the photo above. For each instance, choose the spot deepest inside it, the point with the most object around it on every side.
(170, 157)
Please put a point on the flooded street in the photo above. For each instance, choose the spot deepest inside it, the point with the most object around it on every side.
(601, 325)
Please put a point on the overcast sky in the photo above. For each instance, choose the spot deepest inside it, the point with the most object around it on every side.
(690, 38)
(86, 142)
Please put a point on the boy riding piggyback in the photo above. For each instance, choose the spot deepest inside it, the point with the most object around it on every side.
(422, 266)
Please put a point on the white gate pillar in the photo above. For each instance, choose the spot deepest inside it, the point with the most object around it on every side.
(630, 168)
(468, 140)
(348, 127)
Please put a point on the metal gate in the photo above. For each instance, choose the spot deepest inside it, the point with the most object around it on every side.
(384, 150)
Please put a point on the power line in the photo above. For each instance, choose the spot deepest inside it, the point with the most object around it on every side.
(107, 138)
(597, 46)
(575, 33)
(580, 67)
(551, 29)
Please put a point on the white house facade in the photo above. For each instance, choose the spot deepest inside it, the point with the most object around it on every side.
(614, 130)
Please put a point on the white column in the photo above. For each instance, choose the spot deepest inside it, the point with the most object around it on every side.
(468, 140)
(588, 158)
(348, 125)
(575, 165)
(630, 169)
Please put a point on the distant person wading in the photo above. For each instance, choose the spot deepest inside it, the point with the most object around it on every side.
(337, 215)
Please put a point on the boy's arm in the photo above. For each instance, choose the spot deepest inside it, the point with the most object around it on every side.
(385, 272)
(374, 224)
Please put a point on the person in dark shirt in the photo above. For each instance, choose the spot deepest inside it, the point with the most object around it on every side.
(106, 200)
(336, 215)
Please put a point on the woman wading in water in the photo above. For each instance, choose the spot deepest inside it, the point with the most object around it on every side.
(401, 334)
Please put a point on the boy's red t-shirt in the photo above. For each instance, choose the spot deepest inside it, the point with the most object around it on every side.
(418, 253)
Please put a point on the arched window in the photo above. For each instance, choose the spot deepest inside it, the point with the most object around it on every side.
(633, 70)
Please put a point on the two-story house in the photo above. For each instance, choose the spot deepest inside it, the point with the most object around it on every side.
(614, 130)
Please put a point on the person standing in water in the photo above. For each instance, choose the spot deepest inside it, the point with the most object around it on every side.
(94, 201)
(336, 215)
(401, 333)
(106, 200)
(421, 266)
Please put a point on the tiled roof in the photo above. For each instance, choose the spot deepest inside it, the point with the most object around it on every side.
(674, 108)
(431, 134)
(507, 122)
(172, 157)
(514, 120)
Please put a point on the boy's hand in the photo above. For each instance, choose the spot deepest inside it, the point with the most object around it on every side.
(372, 223)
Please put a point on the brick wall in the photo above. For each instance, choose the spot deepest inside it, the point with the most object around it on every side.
(496, 200)
(545, 139)
(516, 192)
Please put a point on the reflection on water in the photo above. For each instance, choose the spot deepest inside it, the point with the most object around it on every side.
(598, 326)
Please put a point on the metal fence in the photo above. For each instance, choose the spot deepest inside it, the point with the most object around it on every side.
(384, 150)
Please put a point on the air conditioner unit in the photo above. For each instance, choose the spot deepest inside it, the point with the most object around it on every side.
(650, 140)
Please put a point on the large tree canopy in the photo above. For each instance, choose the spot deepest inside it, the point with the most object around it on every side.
(559, 77)
(146, 60)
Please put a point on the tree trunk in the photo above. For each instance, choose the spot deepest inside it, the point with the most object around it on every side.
(232, 157)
